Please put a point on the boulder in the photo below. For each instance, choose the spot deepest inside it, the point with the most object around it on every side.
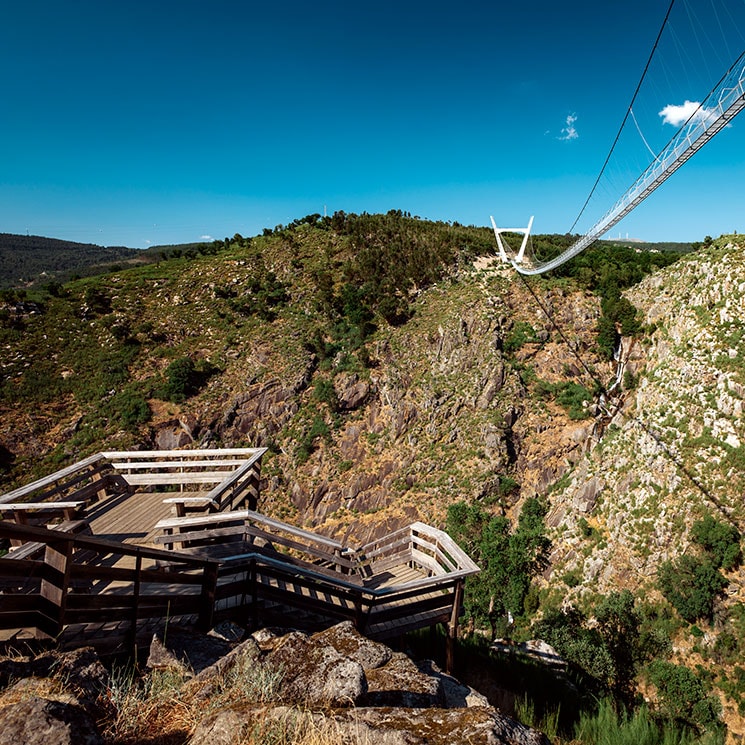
(346, 640)
(400, 683)
(193, 652)
(315, 674)
(41, 721)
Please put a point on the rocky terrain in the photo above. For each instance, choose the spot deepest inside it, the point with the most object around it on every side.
(460, 397)
(333, 687)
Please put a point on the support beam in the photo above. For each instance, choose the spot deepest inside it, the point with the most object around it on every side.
(500, 244)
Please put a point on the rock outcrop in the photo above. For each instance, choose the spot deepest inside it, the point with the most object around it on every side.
(336, 683)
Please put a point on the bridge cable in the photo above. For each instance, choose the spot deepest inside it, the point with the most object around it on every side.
(593, 376)
(647, 429)
(626, 116)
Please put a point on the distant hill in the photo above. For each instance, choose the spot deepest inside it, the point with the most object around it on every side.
(31, 259)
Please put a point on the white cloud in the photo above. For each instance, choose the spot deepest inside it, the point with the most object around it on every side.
(679, 115)
(569, 131)
(206, 238)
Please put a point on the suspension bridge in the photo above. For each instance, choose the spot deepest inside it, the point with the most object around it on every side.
(725, 100)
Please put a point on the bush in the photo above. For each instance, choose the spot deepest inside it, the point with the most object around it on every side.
(720, 541)
(180, 380)
(130, 408)
(691, 584)
(683, 698)
(521, 333)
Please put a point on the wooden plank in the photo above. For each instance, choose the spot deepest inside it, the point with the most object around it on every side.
(427, 561)
(117, 455)
(200, 535)
(447, 544)
(251, 516)
(28, 532)
(257, 517)
(240, 473)
(166, 479)
(297, 546)
(393, 547)
(445, 561)
(151, 464)
(201, 501)
(40, 506)
(390, 562)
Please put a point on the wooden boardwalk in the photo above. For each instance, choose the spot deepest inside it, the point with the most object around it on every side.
(174, 536)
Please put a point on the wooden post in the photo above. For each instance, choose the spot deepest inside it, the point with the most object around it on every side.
(100, 493)
(54, 586)
(452, 635)
(135, 605)
(254, 580)
(207, 599)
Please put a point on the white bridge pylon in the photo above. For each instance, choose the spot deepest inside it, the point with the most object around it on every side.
(498, 235)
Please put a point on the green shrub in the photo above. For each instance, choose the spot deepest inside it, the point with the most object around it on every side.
(520, 334)
(683, 697)
(691, 584)
(720, 540)
(180, 380)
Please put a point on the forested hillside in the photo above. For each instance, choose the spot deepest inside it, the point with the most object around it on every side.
(28, 259)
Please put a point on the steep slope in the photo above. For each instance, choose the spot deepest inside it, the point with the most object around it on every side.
(675, 450)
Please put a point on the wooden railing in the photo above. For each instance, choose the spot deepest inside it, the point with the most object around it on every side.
(231, 475)
(280, 563)
(269, 572)
(86, 480)
(82, 581)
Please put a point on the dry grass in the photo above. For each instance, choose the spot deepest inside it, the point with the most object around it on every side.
(159, 709)
(42, 687)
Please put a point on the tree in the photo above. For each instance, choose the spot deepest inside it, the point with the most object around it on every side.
(720, 541)
(682, 697)
(508, 559)
(691, 584)
(618, 623)
(180, 380)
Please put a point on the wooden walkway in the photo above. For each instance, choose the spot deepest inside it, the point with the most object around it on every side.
(174, 536)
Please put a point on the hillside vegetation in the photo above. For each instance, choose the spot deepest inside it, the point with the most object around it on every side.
(397, 372)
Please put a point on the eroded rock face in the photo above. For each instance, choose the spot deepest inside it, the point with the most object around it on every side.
(347, 641)
(84, 678)
(400, 683)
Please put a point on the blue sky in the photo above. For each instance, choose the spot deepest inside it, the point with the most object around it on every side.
(145, 123)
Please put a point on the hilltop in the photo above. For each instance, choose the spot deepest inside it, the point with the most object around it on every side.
(395, 369)
(32, 260)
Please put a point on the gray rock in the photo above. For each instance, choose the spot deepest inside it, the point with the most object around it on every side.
(314, 673)
(186, 649)
(400, 683)
(456, 694)
(83, 675)
(226, 727)
(476, 726)
(39, 721)
(206, 682)
(346, 640)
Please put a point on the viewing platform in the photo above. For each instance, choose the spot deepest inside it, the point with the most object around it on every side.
(108, 550)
